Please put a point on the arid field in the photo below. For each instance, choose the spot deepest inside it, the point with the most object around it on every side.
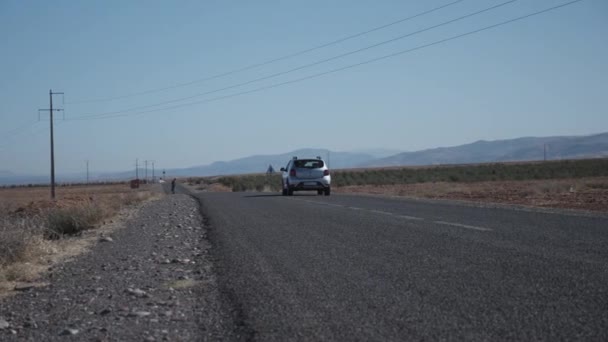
(36, 232)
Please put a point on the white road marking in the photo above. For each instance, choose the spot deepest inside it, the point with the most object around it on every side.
(381, 212)
(463, 226)
(406, 217)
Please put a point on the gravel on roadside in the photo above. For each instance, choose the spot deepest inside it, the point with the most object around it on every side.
(151, 280)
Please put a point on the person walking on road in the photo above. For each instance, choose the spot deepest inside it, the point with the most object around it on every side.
(173, 186)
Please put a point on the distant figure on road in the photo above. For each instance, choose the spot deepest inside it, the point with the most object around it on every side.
(173, 186)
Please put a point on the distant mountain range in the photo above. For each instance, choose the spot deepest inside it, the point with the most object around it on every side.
(521, 149)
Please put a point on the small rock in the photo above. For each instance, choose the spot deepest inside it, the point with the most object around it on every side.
(137, 293)
(23, 287)
(30, 324)
(106, 239)
(105, 311)
(69, 332)
(139, 314)
(150, 339)
(4, 324)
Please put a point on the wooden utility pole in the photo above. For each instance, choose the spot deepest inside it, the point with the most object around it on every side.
(51, 110)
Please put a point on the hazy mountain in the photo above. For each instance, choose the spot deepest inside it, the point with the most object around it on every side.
(521, 149)
(259, 163)
(251, 164)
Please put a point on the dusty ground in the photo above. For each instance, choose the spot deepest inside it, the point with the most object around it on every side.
(583, 193)
(23, 213)
(27, 201)
(152, 281)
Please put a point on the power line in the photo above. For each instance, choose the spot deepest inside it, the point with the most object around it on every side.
(305, 65)
(274, 60)
(18, 129)
(420, 47)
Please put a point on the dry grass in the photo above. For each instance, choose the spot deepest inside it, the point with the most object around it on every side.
(580, 193)
(35, 231)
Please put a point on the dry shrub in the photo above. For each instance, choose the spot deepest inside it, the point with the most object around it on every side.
(20, 271)
(19, 238)
(72, 220)
(555, 187)
(31, 227)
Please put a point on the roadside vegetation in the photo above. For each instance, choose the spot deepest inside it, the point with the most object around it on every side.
(579, 184)
(567, 169)
(475, 173)
(34, 230)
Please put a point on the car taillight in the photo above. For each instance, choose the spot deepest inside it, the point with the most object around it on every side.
(326, 173)
(292, 173)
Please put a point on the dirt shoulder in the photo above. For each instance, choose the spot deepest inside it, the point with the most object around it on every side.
(582, 193)
(150, 279)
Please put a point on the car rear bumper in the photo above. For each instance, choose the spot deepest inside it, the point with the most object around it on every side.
(309, 184)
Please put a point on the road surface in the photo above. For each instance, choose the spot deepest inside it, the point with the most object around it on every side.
(367, 268)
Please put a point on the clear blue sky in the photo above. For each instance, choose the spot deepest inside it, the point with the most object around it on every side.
(546, 75)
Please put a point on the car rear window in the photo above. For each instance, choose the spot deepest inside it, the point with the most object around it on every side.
(309, 163)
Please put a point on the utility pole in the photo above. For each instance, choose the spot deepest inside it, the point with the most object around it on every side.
(136, 168)
(87, 172)
(51, 110)
(545, 152)
(153, 171)
(146, 170)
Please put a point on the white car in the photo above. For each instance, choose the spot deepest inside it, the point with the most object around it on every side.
(306, 174)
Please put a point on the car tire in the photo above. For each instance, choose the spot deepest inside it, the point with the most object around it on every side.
(284, 192)
(327, 191)
(290, 192)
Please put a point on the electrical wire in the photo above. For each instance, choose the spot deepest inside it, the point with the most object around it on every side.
(420, 47)
(305, 65)
(274, 60)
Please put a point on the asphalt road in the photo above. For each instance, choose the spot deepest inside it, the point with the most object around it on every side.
(371, 268)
